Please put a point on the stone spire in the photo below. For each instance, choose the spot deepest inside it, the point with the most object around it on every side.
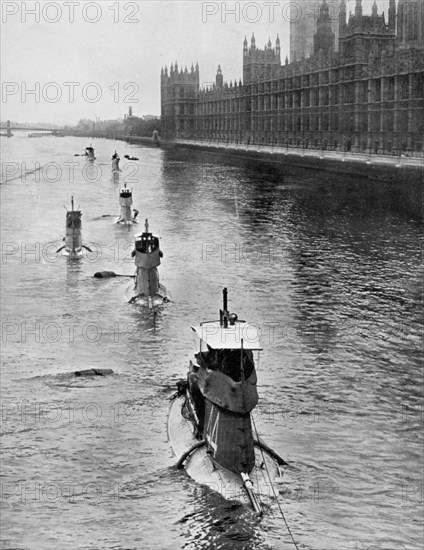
(219, 77)
(342, 17)
(324, 37)
(358, 8)
(392, 15)
(410, 24)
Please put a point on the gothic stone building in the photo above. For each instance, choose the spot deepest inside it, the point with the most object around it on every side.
(368, 96)
(303, 25)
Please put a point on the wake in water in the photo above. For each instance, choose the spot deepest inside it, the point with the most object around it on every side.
(23, 175)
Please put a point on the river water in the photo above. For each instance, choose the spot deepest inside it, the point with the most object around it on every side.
(327, 269)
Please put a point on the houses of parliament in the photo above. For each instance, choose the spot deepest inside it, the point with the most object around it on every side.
(364, 93)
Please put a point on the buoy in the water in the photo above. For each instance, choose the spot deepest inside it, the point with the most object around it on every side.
(109, 274)
(93, 372)
(104, 274)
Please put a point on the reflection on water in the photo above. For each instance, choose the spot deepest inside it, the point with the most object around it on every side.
(329, 269)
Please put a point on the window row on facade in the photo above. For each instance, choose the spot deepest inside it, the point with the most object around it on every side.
(372, 119)
(370, 91)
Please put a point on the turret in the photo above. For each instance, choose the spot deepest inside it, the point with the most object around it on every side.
(324, 37)
(342, 17)
(374, 12)
(253, 42)
(245, 51)
(358, 8)
(278, 47)
(219, 78)
(392, 15)
(410, 24)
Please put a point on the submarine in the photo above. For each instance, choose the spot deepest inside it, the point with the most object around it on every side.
(73, 247)
(147, 257)
(210, 425)
(115, 163)
(128, 216)
(89, 153)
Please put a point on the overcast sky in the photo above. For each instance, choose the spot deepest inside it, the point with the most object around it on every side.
(110, 53)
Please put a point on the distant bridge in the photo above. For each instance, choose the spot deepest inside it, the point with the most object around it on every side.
(32, 128)
(9, 127)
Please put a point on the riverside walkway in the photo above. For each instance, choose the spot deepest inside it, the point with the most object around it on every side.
(398, 161)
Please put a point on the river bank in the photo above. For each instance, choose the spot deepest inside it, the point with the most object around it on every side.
(401, 177)
(362, 164)
(142, 140)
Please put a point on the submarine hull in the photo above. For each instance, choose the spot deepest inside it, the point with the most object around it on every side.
(145, 300)
(73, 254)
(131, 221)
(201, 467)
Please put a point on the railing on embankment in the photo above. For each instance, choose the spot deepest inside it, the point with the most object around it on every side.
(148, 141)
(389, 168)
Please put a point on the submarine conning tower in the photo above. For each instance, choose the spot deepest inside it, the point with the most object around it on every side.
(115, 162)
(73, 237)
(89, 151)
(125, 201)
(147, 255)
(223, 389)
